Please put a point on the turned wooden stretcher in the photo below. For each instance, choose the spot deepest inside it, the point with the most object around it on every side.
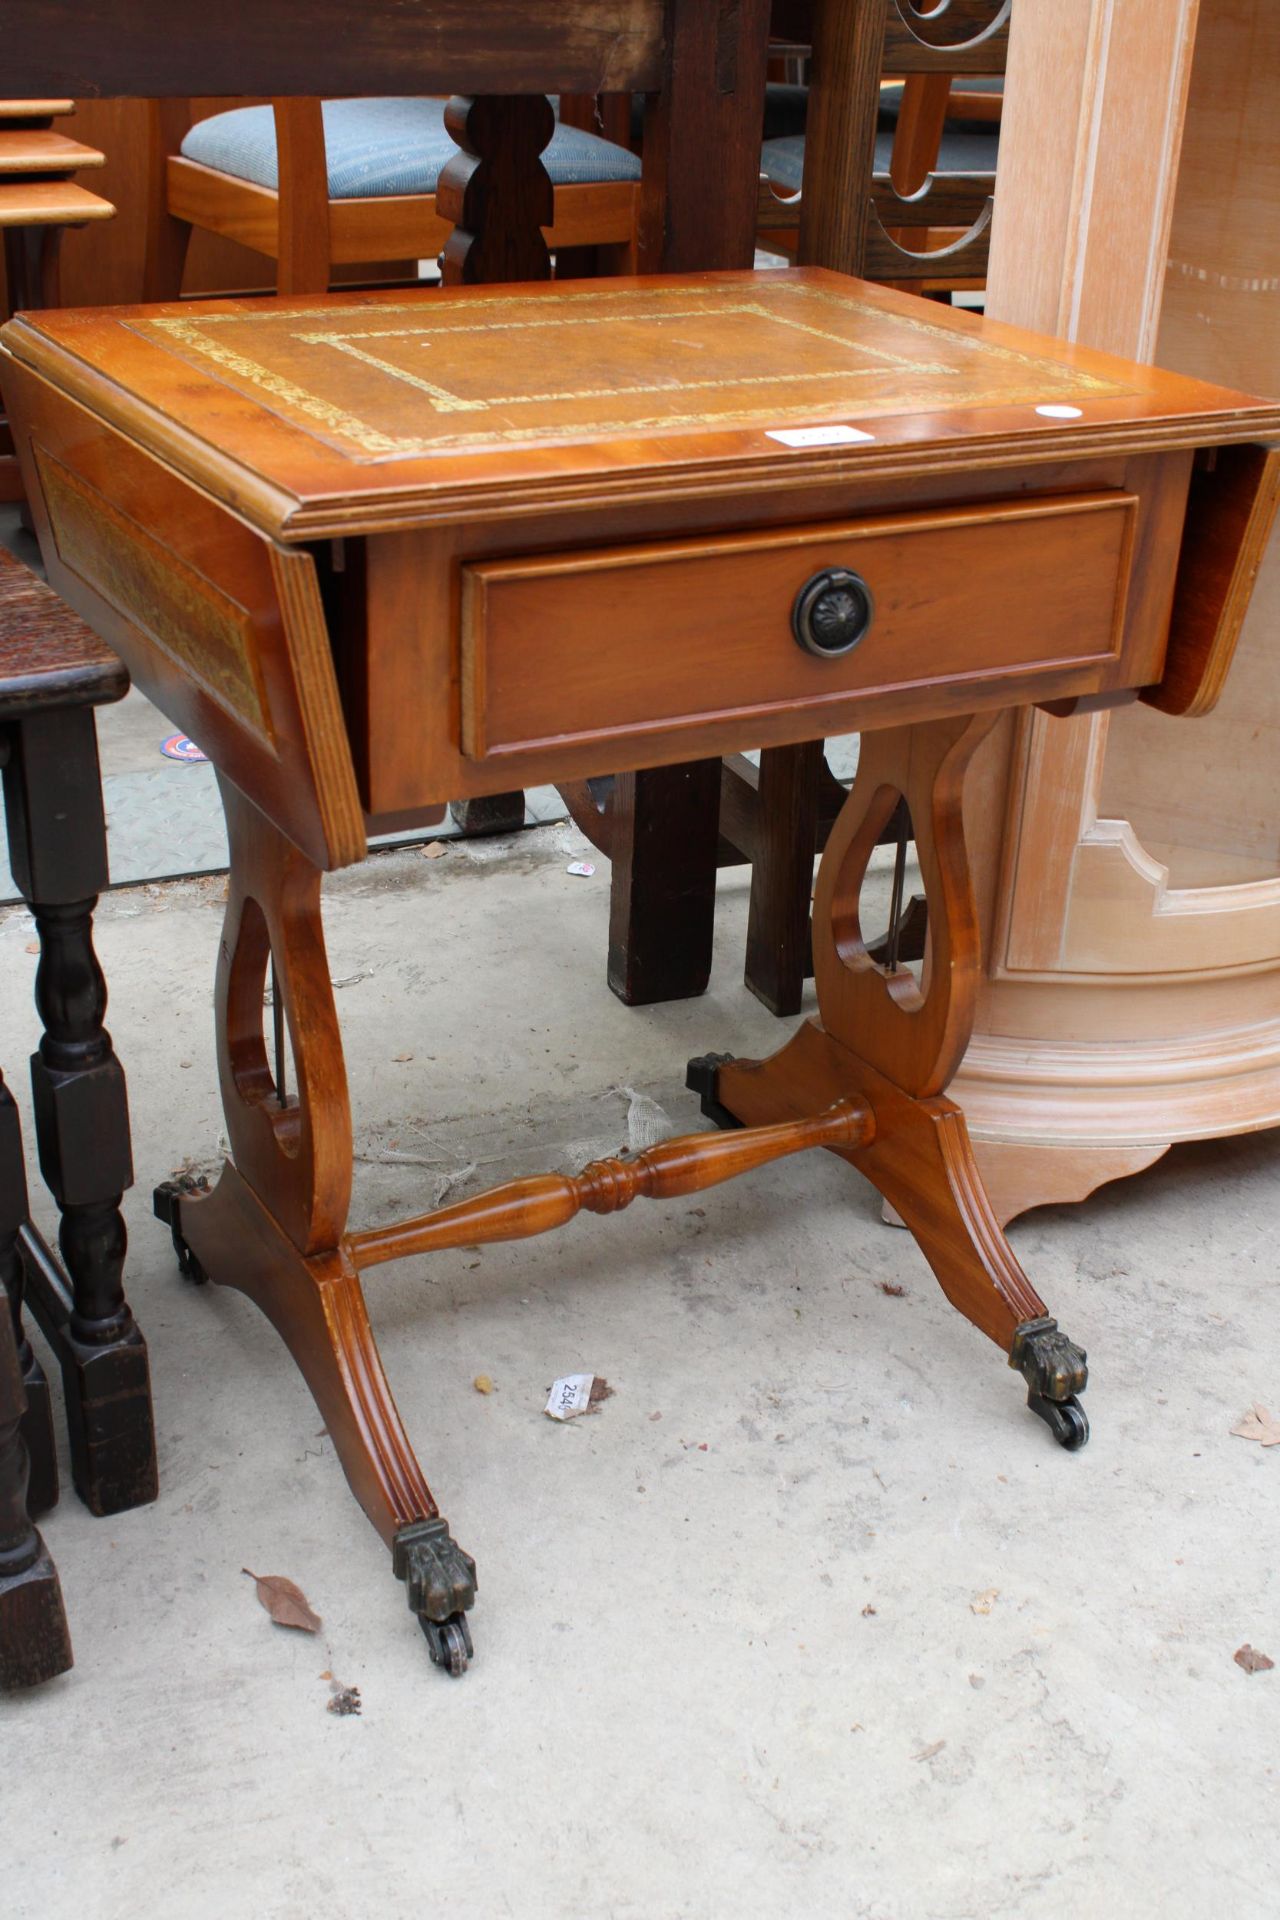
(374, 551)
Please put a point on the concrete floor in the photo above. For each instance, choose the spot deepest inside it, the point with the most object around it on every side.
(728, 1662)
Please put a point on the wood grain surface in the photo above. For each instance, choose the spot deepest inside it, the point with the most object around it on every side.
(150, 48)
(40, 150)
(48, 656)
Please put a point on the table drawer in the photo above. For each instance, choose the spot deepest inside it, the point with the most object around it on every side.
(629, 642)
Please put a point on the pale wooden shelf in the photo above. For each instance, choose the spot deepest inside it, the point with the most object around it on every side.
(50, 203)
(39, 150)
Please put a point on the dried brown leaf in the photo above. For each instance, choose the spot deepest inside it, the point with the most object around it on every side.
(1251, 1660)
(985, 1601)
(1257, 1424)
(434, 849)
(894, 1291)
(286, 1603)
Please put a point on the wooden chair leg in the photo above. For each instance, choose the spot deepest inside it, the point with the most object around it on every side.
(273, 1226)
(57, 845)
(885, 1039)
(167, 239)
(34, 1641)
(663, 842)
(33, 266)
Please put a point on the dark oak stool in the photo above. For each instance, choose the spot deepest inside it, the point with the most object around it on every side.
(53, 672)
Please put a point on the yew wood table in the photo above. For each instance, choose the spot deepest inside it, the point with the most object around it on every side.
(373, 551)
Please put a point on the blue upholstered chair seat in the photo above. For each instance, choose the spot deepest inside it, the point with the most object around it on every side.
(968, 146)
(783, 160)
(380, 147)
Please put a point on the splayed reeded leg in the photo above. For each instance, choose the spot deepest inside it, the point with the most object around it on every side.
(895, 1043)
(273, 1226)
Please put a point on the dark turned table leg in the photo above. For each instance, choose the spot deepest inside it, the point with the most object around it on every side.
(37, 1422)
(57, 849)
(34, 1642)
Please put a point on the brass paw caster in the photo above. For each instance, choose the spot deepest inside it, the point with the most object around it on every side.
(1055, 1371)
(166, 1203)
(440, 1582)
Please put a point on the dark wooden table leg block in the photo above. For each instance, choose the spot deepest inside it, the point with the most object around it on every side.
(37, 1421)
(779, 957)
(57, 843)
(663, 896)
(34, 1642)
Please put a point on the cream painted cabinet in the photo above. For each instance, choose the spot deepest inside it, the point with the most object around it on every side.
(1130, 872)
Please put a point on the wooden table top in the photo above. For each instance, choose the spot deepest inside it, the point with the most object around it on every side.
(352, 412)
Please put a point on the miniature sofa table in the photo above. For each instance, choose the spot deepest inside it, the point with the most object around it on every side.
(373, 551)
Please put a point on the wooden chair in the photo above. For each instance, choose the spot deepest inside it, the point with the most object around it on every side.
(315, 186)
(934, 133)
(318, 185)
(863, 191)
(849, 215)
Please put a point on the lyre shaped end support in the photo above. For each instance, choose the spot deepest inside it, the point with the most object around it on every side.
(914, 1037)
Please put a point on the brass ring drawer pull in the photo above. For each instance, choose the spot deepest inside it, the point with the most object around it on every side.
(832, 612)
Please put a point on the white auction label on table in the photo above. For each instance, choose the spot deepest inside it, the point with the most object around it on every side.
(817, 436)
(570, 1396)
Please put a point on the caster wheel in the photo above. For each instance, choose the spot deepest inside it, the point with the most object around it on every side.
(1066, 1420)
(449, 1643)
(165, 1205)
(701, 1078)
